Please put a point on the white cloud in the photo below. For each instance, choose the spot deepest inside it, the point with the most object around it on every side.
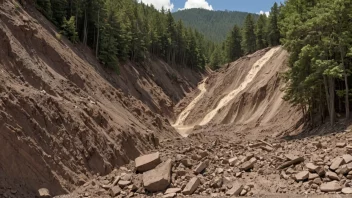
(198, 4)
(158, 4)
(266, 13)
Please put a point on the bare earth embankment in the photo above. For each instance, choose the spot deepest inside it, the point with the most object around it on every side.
(77, 129)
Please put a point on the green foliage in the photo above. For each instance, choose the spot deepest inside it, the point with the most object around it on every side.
(233, 48)
(261, 33)
(216, 59)
(273, 28)
(249, 38)
(69, 29)
(44, 6)
(317, 33)
(58, 36)
(215, 25)
(58, 8)
(121, 30)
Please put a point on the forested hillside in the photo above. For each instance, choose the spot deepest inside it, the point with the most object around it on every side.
(120, 30)
(256, 33)
(318, 35)
(213, 24)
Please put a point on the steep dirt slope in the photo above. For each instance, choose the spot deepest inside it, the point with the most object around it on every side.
(64, 118)
(246, 95)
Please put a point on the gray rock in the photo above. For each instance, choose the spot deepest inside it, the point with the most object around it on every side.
(186, 162)
(247, 165)
(321, 171)
(346, 190)
(159, 178)
(235, 190)
(295, 160)
(173, 190)
(332, 175)
(347, 158)
(123, 183)
(170, 195)
(311, 167)
(147, 162)
(232, 161)
(201, 166)
(217, 182)
(336, 163)
(191, 186)
(114, 191)
(341, 144)
(301, 176)
(313, 176)
(330, 186)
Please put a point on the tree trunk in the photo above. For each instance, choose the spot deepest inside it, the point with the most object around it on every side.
(97, 46)
(347, 102)
(330, 97)
(85, 27)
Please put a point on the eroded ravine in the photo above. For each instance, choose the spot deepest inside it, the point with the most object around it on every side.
(179, 124)
(256, 67)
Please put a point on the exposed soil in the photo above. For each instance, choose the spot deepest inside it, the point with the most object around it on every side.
(74, 127)
(65, 118)
(245, 98)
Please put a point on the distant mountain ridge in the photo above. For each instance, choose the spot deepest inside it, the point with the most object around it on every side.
(215, 25)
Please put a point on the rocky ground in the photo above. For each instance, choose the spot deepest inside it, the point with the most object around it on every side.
(218, 166)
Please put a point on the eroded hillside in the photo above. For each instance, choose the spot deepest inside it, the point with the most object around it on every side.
(63, 117)
(244, 96)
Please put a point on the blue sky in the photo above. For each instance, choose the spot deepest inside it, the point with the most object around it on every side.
(253, 6)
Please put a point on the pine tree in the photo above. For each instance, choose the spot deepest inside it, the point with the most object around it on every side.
(215, 60)
(233, 49)
(44, 6)
(261, 33)
(58, 8)
(273, 29)
(249, 38)
(69, 29)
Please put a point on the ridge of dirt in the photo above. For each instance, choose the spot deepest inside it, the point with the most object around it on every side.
(63, 117)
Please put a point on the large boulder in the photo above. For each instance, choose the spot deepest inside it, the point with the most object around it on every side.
(159, 178)
(191, 186)
(330, 187)
(147, 162)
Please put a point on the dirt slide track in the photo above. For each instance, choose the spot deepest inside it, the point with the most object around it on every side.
(245, 95)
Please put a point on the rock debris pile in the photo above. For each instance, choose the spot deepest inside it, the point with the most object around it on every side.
(218, 166)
